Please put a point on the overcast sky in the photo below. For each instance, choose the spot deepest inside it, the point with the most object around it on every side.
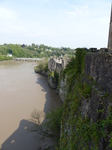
(68, 23)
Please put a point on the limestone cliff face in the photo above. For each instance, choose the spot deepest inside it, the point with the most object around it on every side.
(51, 82)
(91, 107)
(99, 67)
(57, 65)
(96, 108)
(63, 89)
(86, 122)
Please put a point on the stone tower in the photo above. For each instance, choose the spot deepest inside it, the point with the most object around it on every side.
(110, 32)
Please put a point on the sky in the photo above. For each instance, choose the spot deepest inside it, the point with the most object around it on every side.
(67, 23)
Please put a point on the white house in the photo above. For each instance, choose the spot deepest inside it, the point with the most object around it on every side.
(9, 55)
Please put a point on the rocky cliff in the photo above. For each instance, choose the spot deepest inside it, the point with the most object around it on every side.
(87, 112)
(85, 87)
(63, 89)
(56, 66)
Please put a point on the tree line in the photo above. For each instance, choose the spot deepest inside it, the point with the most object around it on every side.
(34, 51)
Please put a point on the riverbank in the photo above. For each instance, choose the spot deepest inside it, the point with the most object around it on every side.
(5, 58)
(50, 141)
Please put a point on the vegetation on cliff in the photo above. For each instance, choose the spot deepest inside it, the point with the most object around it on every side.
(42, 67)
(86, 120)
(50, 128)
(84, 129)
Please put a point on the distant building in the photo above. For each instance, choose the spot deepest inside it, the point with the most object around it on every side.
(9, 55)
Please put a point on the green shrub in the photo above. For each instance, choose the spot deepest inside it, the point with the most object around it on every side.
(53, 124)
(42, 67)
(4, 57)
(80, 57)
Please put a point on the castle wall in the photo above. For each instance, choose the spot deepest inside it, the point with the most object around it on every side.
(52, 64)
(56, 64)
(99, 67)
(59, 67)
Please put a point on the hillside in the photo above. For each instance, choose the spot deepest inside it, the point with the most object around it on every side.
(33, 51)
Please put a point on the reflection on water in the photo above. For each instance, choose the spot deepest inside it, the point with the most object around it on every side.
(22, 91)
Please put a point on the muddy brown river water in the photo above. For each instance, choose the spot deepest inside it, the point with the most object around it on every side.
(22, 91)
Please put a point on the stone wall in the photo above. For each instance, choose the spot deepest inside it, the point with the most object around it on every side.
(52, 64)
(59, 67)
(57, 64)
(99, 67)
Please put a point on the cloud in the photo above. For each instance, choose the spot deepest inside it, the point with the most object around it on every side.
(7, 13)
(79, 11)
(9, 21)
(68, 22)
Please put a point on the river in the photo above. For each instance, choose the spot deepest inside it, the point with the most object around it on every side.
(22, 91)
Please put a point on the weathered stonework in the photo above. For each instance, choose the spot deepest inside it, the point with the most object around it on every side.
(99, 67)
(57, 64)
(52, 64)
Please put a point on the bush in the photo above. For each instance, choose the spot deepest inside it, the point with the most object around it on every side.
(53, 124)
(42, 67)
(50, 127)
(3, 57)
